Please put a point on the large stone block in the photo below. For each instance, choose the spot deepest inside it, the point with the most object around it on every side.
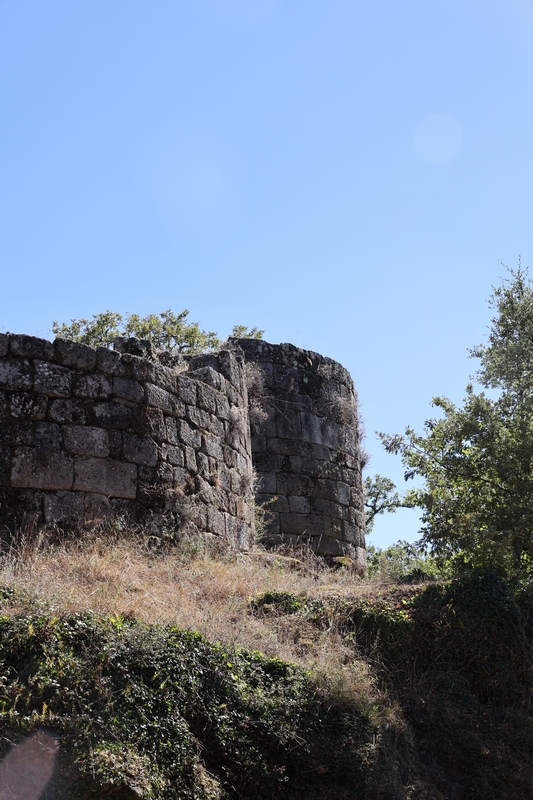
(213, 446)
(110, 415)
(293, 484)
(139, 449)
(149, 421)
(288, 425)
(66, 507)
(109, 362)
(207, 397)
(333, 528)
(15, 374)
(84, 440)
(105, 476)
(67, 411)
(187, 435)
(75, 355)
(92, 387)
(266, 483)
(198, 417)
(27, 405)
(16, 432)
(311, 428)
(41, 468)
(167, 402)
(173, 455)
(311, 524)
(186, 388)
(52, 380)
(31, 347)
(48, 436)
(128, 389)
(4, 344)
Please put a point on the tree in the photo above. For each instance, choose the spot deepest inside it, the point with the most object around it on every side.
(477, 459)
(166, 331)
(381, 497)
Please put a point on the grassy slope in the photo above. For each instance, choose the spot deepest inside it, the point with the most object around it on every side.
(359, 690)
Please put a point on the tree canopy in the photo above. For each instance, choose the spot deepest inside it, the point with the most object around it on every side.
(477, 459)
(167, 331)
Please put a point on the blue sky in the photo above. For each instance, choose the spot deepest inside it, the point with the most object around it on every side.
(345, 175)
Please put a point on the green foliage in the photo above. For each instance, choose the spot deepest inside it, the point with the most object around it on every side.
(402, 562)
(169, 715)
(381, 497)
(477, 459)
(167, 331)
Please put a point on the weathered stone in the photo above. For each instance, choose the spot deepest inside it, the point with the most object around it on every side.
(139, 368)
(198, 417)
(15, 375)
(207, 398)
(128, 389)
(92, 387)
(311, 524)
(109, 415)
(222, 406)
(4, 344)
(171, 430)
(173, 455)
(288, 424)
(52, 380)
(109, 362)
(105, 476)
(274, 502)
(311, 428)
(48, 436)
(190, 460)
(83, 440)
(75, 355)
(298, 505)
(16, 432)
(266, 483)
(26, 405)
(31, 347)
(213, 446)
(41, 468)
(216, 522)
(307, 466)
(149, 421)
(293, 447)
(165, 378)
(167, 402)
(97, 506)
(139, 449)
(189, 437)
(3, 405)
(115, 444)
(66, 507)
(186, 389)
(293, 484)
(216, 427)
(333, 528)
(258, 444)
(66, 411)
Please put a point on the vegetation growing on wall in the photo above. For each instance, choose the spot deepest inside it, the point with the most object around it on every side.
(167, 331)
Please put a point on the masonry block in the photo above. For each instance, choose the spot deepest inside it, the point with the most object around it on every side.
(40, 468)
(105, 476)
(84, 440)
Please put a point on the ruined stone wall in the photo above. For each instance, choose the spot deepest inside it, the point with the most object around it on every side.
(86, 432)
(305, 448)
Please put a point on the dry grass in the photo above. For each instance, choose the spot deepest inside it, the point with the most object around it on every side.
(206, 589)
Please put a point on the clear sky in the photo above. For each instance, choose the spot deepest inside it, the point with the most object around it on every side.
(346, 175)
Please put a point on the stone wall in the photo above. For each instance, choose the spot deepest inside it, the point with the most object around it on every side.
(86, 432)
(305, 448)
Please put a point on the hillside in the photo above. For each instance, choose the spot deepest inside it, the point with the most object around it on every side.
(189, 673)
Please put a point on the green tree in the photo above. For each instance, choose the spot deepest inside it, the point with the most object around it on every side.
(477, 459)
(381, 497)
(167, 331)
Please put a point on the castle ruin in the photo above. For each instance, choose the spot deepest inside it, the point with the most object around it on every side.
(89, 432)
